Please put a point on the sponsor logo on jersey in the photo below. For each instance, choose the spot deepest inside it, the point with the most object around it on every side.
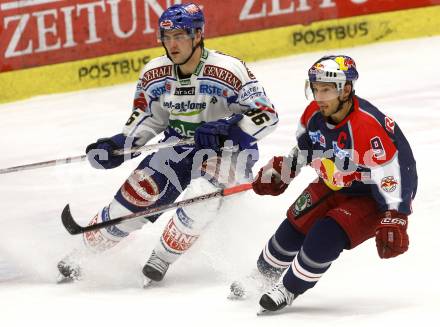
(158, 91)
(389, 124)
(223, 75)
(338, 152)
(185, 108)
(184, 128)
(156, 73)
(251, 91)
(175, 239)
(211, 89)
(95, 240)
(388, 184)
(377, 147)
(304, 201)
(185, 90)
(336, 179)
(317, 137)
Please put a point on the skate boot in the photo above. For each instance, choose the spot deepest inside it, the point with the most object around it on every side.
(155, 269)
(276, 298)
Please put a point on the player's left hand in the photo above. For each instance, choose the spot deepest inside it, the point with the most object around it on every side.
(391, 237)
(213, 134)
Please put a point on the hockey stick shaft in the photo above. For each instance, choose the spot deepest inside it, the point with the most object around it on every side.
(69, 160)
(73, 228)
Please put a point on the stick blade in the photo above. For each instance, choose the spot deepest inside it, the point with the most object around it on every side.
(69, 223)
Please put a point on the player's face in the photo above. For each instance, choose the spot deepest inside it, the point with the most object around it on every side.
(327, 97)
(179, 45)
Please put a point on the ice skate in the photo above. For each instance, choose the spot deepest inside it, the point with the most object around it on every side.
(155, 269)
(276, 298)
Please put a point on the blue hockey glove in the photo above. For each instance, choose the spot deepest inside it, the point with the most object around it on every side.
(213, 134)
(100, 154)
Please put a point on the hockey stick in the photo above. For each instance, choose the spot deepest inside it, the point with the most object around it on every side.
(73, 228)
(68, 160)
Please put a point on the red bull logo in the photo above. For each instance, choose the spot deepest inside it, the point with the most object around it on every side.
(388, 184)
(345, 63)
(317, 68)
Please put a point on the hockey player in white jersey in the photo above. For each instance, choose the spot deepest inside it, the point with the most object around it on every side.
(191, 92)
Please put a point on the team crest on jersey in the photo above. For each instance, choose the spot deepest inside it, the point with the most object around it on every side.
(377, 147)
(140, 189)
(304, 201)
(389, 124)
(388, 184)
(317, 137)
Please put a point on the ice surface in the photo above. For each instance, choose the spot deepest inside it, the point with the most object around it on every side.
(401, 78)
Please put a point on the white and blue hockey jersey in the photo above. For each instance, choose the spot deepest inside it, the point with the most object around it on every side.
(220, 86)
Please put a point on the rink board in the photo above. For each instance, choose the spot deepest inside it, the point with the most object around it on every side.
(276, 42)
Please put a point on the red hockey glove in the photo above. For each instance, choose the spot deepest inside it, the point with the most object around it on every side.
(273, 179)
(391, 236)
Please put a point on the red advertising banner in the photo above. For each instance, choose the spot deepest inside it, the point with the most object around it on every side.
(44, 32)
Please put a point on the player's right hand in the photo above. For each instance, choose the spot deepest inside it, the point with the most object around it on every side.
(100, 154)
(391, 236)
(271, 179)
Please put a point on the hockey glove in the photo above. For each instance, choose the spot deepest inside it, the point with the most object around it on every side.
(213, 134)
(391, 236)
(274, 178)
(100, 154)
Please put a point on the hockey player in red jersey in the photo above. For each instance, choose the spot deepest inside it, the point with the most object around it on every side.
(367, 180)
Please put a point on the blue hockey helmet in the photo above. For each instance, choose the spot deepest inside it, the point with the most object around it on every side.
(334, 69)
(188, 17)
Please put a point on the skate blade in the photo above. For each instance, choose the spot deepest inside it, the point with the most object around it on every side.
(147, 283)
(262, 311)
